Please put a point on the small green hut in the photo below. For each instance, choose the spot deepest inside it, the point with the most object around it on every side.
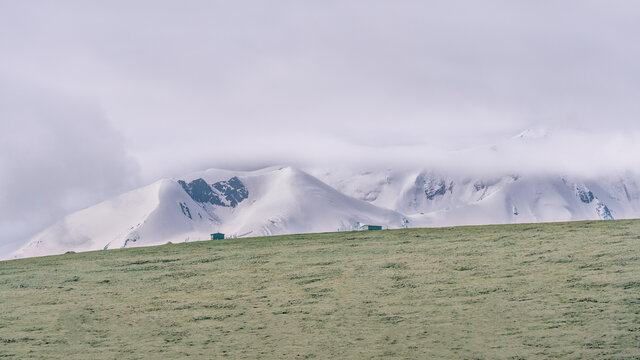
(217, 236)
(371, 227)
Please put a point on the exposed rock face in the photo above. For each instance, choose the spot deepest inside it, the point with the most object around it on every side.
(199, 191)
(433, 186)
(604, 212)
(585, 195)
(223, 193)
(185, 210)
(436, 187)
(233, 191)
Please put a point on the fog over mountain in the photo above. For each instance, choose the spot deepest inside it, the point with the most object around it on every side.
(100, 98)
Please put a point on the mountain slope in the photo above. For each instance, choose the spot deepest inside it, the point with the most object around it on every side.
(431, 199)
(283, 200)
(264, 202)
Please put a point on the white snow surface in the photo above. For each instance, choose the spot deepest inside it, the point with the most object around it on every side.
(285, 200)
(430, 199)
(281, 200)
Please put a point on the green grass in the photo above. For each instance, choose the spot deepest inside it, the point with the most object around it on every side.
(565, 290)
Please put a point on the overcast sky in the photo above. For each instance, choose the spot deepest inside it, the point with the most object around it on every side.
(98, 97)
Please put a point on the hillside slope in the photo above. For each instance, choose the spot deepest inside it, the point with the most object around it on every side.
(533, 291)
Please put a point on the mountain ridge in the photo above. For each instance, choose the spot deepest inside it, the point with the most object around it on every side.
(283, 200)
(270, 201)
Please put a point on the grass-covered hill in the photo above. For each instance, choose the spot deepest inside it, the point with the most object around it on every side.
(565, 290)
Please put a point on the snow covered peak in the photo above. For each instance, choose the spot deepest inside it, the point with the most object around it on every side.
(275, 200)
(429, 198)
(284, 200)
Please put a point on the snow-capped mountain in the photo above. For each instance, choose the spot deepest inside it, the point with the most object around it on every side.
(283, 200)
(431, 199)
(277, 200)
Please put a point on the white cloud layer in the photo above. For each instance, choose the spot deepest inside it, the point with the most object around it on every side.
(58, 155)
(180, 86)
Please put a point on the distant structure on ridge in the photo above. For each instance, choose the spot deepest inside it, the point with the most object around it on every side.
(371, 227)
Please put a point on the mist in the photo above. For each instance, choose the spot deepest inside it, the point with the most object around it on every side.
(58, 155)
(98, 98)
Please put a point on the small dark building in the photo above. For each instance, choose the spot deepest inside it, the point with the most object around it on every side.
(371, 227)
(217, 236)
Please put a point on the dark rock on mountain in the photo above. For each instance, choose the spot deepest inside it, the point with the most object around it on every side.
(223, 193)
(604, 212)
(585, 195)
(432, 189)
(233, 191)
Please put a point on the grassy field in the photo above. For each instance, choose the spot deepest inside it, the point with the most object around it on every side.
(566, 290)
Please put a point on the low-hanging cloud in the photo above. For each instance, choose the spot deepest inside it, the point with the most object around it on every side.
(373, 72)
(243, 84)
(58, 154)
(555, 151)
